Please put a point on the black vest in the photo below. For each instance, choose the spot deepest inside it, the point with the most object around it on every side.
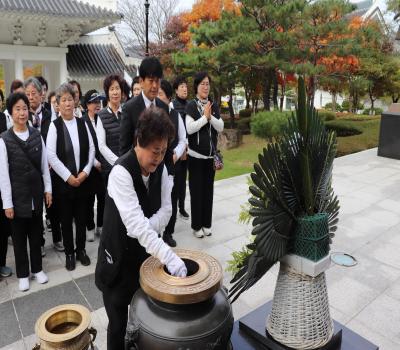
(180, 106)
(122, 275)
(25, 172)
(173, 114)
(207, 137)
(111, 126)
(66, 156)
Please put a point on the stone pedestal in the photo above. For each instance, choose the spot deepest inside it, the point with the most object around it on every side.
(389, 140)
(229, 138)
(249, 333)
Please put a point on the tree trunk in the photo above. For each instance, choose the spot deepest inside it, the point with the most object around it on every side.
(275, 89)
(267, 93)
(311, 91)
(334, 98)
(371, 97)
(231, 111)
(282, 98)
(247, 96)
(395, 98)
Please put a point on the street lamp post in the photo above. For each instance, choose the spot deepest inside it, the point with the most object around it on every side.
(147, 5)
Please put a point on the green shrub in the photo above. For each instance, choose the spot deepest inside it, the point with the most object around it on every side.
(346, 105)
(269, 124)
(378, 111)
(326, 115)
(243, 124)
(329, 106)
(245, 113)
(343, 128)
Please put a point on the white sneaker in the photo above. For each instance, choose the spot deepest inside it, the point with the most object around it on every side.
(41, 277)
(90, 235)
(99, 230)
(207, 231)
(23, 284)
(198, 234)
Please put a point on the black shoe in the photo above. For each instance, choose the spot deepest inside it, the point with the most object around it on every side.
(70, 262)
(183, 213)
(83, 258)
(169, 240)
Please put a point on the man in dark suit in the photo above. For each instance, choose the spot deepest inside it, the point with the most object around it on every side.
(150, 74)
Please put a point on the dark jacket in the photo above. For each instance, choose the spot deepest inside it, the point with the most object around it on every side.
(122, 275)
(66, 155)
(45, 123)
(206, 138)
(3, 122)
(111, 126)
(24, 161)
(131, 112)
(180, 106)
(174, 116)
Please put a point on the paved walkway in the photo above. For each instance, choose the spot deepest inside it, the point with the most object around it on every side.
(366, 297)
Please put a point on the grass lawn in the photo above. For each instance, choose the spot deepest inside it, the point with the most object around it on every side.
(368, 139)
(240, 160)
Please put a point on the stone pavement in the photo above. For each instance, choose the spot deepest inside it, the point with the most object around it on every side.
(366, 297)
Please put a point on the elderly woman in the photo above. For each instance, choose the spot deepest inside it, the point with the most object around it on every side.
(203, 123)
(71, 154)
(77, 99)
(25, 182)
(108, 123)
(137, 209)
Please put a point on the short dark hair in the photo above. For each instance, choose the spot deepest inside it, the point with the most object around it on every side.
(154, 124)
(43, 81)
(1, 95)
(14, 98)
(167, 88)
(74, 82)
(198, 78)
(16, 84)
(125, 89)
(178, 81)
(135, 80)
(151, 68)
(51, 94)
(109, 80)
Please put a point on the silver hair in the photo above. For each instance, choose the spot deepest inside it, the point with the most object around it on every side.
(35, 83)
(64, 88)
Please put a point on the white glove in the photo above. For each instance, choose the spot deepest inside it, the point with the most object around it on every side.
(177, 267)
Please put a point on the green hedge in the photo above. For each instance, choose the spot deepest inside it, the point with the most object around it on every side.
(269, 124)
(245, 113)
(329, 106)
(326, 115)
(378, 111)
(243, 124)
(343, 128)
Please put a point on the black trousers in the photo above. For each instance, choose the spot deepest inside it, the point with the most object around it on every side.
(52, 214)
(21, 230)
(117, 313)
(181, 176)
(5, 232)
(71, 208)
(100, 195)
(201, 187)
(170, 228)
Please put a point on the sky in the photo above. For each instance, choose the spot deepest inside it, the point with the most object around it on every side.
(185, 4)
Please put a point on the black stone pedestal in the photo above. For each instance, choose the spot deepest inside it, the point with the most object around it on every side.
(249, 333)
(389, 136)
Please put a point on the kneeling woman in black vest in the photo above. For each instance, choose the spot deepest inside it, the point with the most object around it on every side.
(24, 177)
(137, 209)
(71, 154)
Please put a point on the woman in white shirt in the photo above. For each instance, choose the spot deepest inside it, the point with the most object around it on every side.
(71, 154)
(203, 123)
(24, 182)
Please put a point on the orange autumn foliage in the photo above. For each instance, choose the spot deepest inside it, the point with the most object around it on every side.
(205, 11)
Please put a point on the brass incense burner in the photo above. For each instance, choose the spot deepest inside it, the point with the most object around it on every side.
(171, 313)
(65, 327)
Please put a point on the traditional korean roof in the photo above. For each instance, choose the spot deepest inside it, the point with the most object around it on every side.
(60, 8)
(95, 60)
